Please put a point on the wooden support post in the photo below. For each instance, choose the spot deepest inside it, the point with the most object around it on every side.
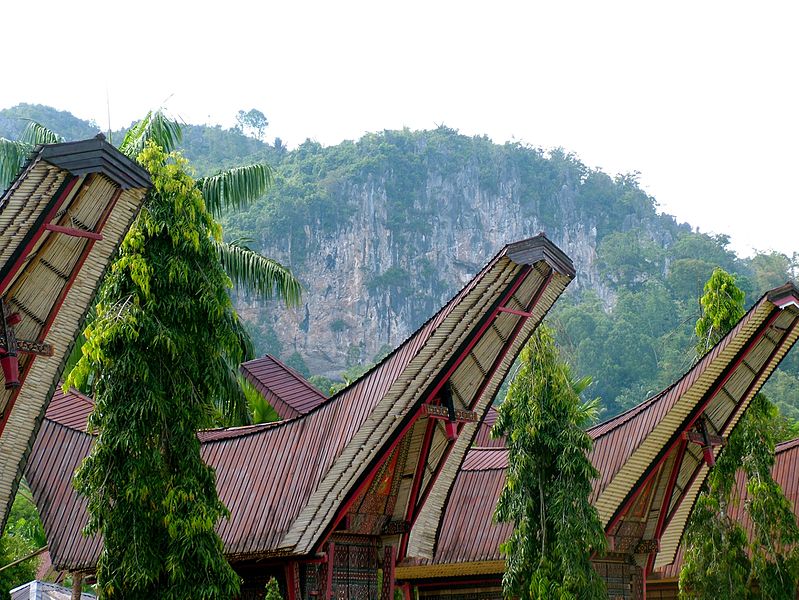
(406, 591)
(331, 563)
(77, 585)
(292, 571)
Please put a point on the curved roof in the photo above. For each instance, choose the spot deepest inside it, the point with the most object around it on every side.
(630, 448)
(60, 223)
(785, 472)
(285, 482)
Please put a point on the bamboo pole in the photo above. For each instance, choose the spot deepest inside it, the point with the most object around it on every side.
(24, 558)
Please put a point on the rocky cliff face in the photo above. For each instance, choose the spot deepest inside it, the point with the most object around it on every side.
(406, 239)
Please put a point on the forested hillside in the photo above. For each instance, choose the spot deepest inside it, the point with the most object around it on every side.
(383, 230)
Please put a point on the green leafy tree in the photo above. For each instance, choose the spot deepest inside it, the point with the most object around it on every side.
(23, 537)
(252, 122)
(272, 590)
(722, 307)
(720, 561)
(159, 350)
(13, 548)
(548, 484)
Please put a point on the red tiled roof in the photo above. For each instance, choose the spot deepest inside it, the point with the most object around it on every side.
(286, 390)
(466, 526)
(483, 438)
(70, 408)
(468, 532)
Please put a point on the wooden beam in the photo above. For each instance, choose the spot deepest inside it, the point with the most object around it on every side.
(73, 232)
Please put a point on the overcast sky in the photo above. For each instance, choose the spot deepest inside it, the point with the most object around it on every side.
(700, 97)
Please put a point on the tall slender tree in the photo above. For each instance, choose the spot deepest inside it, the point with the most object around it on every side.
(158, 349)
(548, 481)
(720, 560)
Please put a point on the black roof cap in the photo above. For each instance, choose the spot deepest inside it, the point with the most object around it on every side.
(96, 156)
(787, 290)
(534, 249)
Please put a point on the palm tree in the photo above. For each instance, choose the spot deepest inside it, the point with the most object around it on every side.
(225, 191)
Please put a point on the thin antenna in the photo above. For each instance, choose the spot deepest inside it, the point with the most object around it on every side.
(108, 110)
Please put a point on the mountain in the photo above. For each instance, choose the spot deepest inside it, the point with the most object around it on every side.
(383, 230)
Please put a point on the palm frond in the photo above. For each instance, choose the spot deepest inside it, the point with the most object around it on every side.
(154, 126)
(231, 401)
(589, 411)
(35, 133)
(250, 271)
(246, 346)
(262, 411)
(12, 156)
(235, 188)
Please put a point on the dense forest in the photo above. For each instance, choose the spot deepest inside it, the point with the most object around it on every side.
(382, 230)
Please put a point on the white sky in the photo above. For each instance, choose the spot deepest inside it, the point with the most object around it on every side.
(701, 97)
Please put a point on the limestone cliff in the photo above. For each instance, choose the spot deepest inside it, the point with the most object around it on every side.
(383, 241)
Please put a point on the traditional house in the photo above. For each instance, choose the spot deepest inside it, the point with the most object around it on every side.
(60, 223)
(652, 461)
(330, 499)
(380, 483)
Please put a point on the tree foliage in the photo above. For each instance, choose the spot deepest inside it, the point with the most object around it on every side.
(548, 481)
(273, 590)
(720, 560)
(23, 535)
(252, 122)
(722, 307)
(158, 350)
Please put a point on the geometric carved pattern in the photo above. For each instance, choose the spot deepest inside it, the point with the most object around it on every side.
(355, 569)
(624, 580)
(372, 513)
(389, 561)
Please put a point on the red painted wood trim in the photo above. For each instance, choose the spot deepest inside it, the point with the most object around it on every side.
(706, 399)
(513, 311)
(530, 307)
(34, 239)
(420, 465)
(521, 278)
(486, 380)
(417, 481)
(61, 296)
(664, 505)
(71, 231)
(389, 563)
(406, 591)
(366, 481)
(79, 265)
(748, 391)
(287, 571)
(331, 562)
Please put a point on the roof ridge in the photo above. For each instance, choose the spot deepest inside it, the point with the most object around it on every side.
(786, 445)
(291, 371)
